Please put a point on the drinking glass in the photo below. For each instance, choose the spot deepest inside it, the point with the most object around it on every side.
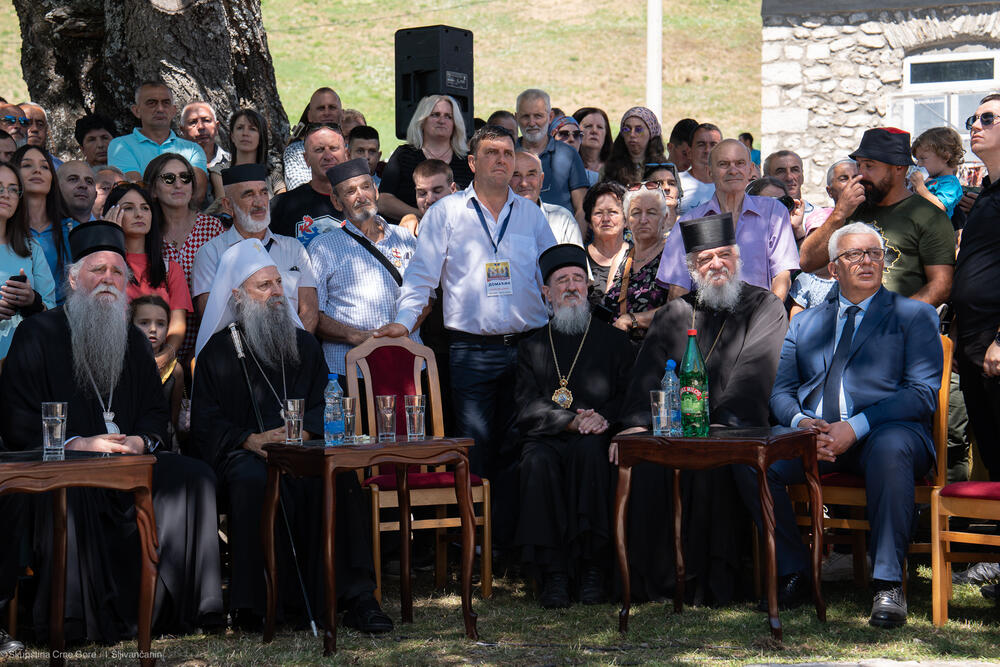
(293, 420)
(54, 431)
(416, 407)
(661, 412)
(350, 404)
(385, 407)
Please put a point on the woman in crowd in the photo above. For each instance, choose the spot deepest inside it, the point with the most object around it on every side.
(595, 147)
(768, 186)
(602, 208)
(324, 107)
(639, 143)
(183, 229)
(45, 210)
(436, 131)
(567, 130)
(635, 295)
(131, 207)
(26, 285)
(248, 142)
(665, 175)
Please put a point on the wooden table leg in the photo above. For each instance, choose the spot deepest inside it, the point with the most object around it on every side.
(767, 518)
(267, 537)
(403, 497)
(57, 600)
(679, 573)
(145, 519)
(816, 505)
(621, 548)
(463, 493)
(329, 564)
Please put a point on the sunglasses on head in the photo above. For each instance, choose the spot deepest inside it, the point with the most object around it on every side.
(129, 184)
(566, 134)
(649, 185)
(11, 120)
(665, 165)
(987, 118)
(169, 178)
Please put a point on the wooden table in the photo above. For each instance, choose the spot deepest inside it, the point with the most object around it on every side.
(312, 459)
(756, 447)
(25, 472)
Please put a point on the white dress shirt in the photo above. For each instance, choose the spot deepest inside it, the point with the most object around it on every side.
(563, 224)
(453, 250)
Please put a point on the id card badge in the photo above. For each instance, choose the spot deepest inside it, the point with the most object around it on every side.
(498, 278)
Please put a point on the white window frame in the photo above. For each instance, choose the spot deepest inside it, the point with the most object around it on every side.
(969, 85)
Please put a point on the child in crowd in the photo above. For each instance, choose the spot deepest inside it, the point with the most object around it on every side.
(151, 314)
(939, 151)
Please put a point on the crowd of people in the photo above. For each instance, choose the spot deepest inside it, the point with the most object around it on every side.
(552, 268)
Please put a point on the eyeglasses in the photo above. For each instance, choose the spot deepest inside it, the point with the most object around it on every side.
(169, 178)
(11, 120)
(567, 134)
(11, 190)
(855, 255)
(987, 118)
(635, 129)
(649, 185)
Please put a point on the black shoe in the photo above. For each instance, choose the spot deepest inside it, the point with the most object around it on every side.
(978, 574)
(793, 591)
(889, 608)
(366, 616)
(592, 585)
(555, 591)
(9, 645)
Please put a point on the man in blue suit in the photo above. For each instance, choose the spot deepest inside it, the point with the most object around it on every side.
(863, 371)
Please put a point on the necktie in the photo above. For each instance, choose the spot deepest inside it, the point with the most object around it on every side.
(831, 388)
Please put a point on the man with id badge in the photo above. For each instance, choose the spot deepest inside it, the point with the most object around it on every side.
(482, 246)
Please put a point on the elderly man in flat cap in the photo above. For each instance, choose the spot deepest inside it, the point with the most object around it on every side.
(740, 328)
(87, 354)
(359, 265)
(247, 195)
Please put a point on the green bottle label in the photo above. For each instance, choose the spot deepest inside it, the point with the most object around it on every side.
(692, 400)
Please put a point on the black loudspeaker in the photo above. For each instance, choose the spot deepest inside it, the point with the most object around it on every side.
(432, 60)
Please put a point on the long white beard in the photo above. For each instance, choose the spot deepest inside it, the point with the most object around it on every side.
(571, 319)
(248, 224)
(98, 335)
(718, 297)
(269, 330)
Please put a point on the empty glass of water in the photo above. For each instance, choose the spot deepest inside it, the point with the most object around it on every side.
(293, 420)
(416, 407)
(350, 404)
(385, 409)
(53, 431)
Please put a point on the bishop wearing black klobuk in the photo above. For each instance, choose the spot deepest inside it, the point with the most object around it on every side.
(740, 332)
(71, 354)
(571, 378)
(282, 361)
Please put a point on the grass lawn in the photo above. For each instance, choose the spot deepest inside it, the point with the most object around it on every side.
(514, 630)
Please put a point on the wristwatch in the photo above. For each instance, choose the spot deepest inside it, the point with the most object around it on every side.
(635, 322)
(149, 444)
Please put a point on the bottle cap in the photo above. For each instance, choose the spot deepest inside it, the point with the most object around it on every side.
(331, 376)
(671, 364)
(692, 332)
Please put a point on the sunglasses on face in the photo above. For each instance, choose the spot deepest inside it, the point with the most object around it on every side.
(567, 134)
(12, 120)
(169, 178)
(987, 118)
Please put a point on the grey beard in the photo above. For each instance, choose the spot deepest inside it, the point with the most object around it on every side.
(99, 337)
(533, 135)
(719, 297)
(269, 330)
(248, 224)
(571, 320)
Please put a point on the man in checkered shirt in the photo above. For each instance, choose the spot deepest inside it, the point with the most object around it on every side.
(357, 290)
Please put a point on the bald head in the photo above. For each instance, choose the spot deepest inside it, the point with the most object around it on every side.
(528, 175)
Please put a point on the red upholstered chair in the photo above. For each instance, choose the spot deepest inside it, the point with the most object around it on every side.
(974, 500)
(393, 366)
(849, 490)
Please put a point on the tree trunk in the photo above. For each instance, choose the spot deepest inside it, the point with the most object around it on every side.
(82, 56)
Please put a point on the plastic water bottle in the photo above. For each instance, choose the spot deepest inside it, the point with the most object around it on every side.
(333, 412)
(672, 387)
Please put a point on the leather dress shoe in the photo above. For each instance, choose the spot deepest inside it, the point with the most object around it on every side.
(793, 591)
(592, 585)
(366, 616)
(889, 608)
(555, 591)
(9, 645)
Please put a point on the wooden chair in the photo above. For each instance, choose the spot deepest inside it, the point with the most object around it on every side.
(393, 366)
(849, 490)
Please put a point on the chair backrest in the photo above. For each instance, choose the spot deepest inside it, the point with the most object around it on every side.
(939, 427)
(392, 366)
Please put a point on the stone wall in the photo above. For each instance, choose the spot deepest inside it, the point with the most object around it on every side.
(826, 78)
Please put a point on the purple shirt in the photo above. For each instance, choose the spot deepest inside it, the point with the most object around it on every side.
(763, 233)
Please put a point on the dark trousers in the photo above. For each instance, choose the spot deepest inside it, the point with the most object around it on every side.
(982, 398)
(890, 458)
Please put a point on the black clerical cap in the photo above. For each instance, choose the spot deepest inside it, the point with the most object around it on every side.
(885, 144)
(243, 173)
(339, 173)
(559, 256)
(714, 231)
(95, 236)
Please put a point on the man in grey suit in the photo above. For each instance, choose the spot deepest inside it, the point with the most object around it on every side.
(863, 371)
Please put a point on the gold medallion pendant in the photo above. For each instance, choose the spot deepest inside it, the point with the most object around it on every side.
(562, 396)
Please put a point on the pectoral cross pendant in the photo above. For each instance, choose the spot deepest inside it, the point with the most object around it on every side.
(109, 422)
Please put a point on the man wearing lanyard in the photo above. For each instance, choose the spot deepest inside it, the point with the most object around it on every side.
(482, 246)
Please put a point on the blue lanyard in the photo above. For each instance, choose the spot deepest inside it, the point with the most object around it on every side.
(503, 226)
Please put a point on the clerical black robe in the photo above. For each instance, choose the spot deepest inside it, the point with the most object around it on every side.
(741, 371)
(565, 477)
(222, 417)
(102, 539)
